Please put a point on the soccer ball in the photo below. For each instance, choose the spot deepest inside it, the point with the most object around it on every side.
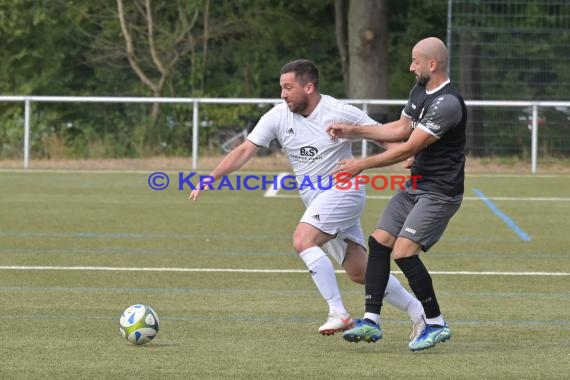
(139, 324)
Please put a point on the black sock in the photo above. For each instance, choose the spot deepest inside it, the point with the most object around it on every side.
(420, 282)
(377, 275)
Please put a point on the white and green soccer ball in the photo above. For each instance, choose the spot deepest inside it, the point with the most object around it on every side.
(139, 324)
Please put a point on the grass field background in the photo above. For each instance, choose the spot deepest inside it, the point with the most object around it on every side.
(62, 233)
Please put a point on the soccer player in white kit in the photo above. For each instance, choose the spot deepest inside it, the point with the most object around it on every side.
(332, 216)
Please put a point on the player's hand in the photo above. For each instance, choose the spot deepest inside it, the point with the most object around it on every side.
(195, 193)
(352, 167)
(337, 131)
(409, 162)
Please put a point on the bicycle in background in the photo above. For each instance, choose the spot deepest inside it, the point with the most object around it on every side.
(228, 138)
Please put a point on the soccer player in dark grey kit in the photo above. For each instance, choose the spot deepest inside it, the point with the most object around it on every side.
(432, 125)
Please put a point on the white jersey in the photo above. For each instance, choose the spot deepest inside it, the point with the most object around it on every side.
(310, 149)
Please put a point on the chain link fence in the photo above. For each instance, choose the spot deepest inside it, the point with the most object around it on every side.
(517, 50)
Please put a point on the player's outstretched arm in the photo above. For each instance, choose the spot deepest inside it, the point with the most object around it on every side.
(395, 131)
(417, 141)
(232, 162)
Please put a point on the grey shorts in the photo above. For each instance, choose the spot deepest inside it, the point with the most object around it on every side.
(421, 217)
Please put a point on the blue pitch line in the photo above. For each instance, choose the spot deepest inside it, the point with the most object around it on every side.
(202, 291)
(513, 226)
(272, 319)
(138, 235)
(150, 252)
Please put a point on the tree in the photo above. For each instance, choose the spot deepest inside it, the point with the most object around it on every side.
(362, 38)
(222, 48)
(151, 38)
(163, 53)
(39, 56)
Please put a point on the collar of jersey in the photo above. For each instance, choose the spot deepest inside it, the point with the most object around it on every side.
(438, 87)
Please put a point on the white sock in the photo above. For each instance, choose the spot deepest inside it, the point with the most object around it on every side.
(324, 277)
(436, 321)
(397, 296)
(373, 317)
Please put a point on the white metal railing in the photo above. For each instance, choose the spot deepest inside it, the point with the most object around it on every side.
(28, 100)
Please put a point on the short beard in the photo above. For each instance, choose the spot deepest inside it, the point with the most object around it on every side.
(422, 80)
(298, 108)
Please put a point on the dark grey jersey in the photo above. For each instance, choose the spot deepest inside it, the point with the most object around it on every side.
(442, 114)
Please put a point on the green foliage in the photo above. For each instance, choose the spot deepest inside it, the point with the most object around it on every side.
(411, 21)
(12, 132)
(76, 47)
(39, 54)
(247, 43)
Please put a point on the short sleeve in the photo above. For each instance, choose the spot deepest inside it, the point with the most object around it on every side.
(265, 130)
(409, 107)
(443, 114)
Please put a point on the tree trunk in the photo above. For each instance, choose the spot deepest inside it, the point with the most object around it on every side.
(368, 52)
(341, 38)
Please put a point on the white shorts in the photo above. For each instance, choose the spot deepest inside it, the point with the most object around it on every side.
(337, 212)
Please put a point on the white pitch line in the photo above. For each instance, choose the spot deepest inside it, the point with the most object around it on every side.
(499, 273)
(232, 270)
(273, 191)
(521, 199)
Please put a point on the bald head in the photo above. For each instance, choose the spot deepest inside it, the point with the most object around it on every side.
(433, 48)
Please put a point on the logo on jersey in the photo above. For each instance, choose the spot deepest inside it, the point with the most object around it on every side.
(308, 151)
(290, 131)
(317, 216)
(431, 125)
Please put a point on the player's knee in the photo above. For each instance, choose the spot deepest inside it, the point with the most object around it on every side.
(384, 238)
(300, 243)
(405, 248)
(398, 254)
